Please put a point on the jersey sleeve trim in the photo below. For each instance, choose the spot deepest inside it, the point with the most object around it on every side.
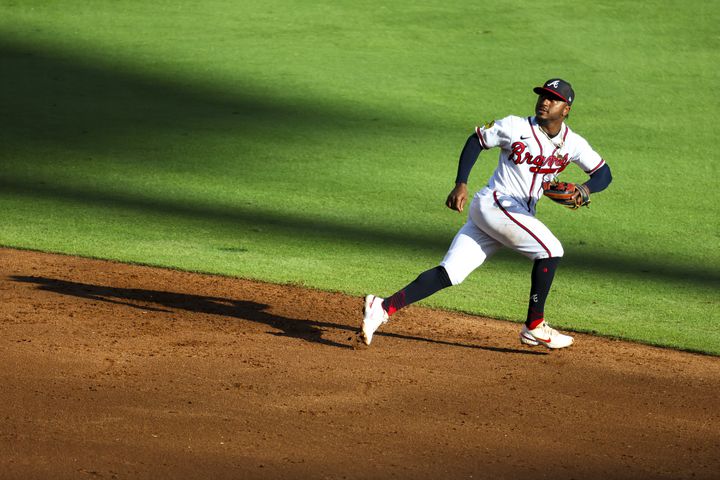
(482, 140)
(597, 167)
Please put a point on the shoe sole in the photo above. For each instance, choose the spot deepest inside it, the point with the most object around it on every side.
(528, 341)
(534, 343)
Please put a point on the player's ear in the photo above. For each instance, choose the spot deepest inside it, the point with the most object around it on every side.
(566, 110)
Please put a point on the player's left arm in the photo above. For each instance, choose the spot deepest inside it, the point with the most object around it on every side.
(594, 165)
(599, 180)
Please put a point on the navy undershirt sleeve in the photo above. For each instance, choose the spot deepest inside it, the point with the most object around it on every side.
(599, 180)
(468, 157)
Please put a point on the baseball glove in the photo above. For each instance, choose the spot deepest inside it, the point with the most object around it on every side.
(571, 195)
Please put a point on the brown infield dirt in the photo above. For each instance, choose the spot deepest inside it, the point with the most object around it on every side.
(123, 371)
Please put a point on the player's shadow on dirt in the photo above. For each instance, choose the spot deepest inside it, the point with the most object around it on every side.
(158, 301)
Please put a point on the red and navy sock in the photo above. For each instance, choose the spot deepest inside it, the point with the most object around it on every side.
(423, 286)
(542, 276)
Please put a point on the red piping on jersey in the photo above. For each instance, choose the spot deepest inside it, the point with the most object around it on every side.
(520, 224)
(596, 167)
(532, 184)
(532, 129)
(482, 142)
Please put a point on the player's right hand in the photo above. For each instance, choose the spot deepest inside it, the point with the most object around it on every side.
(457, 197)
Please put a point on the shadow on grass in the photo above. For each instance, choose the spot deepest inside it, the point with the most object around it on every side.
(50, 97)
(310, 229)
(158, 301)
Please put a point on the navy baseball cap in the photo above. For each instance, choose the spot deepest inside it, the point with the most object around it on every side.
(558, 87)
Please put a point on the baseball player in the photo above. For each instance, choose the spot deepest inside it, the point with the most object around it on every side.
(533, 150)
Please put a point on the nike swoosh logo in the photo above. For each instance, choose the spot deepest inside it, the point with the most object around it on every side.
(523, 138)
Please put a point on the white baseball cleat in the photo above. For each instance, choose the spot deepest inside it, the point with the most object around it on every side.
(374, 315)
(544, 335)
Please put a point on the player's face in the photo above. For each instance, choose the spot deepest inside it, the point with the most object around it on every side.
(550, 108)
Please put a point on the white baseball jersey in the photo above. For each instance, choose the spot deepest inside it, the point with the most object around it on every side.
(529, 156)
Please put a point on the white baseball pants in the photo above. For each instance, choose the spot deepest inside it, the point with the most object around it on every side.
(496, 220)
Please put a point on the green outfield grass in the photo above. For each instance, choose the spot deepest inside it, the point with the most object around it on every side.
(314, 144)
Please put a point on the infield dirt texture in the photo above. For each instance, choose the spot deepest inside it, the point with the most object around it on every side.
(118, 371)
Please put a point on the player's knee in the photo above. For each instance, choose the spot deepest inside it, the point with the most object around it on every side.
(552, 251)
(555, 249)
